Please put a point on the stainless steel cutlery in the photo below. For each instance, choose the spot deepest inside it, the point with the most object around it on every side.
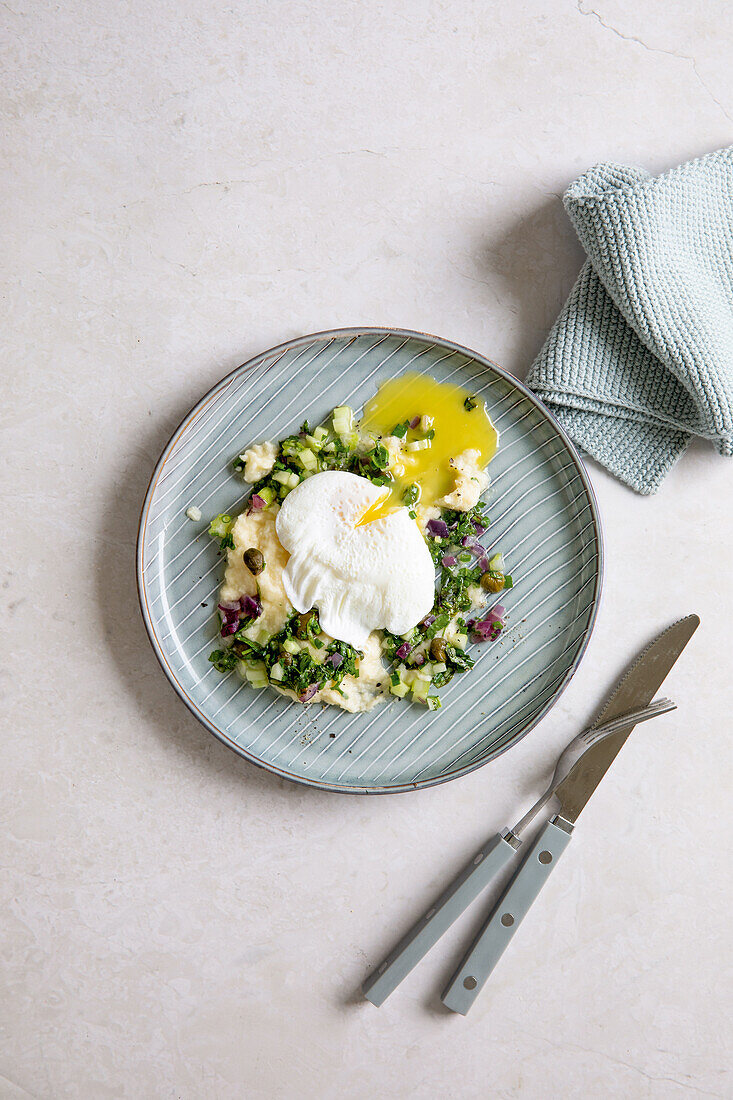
(578, 772)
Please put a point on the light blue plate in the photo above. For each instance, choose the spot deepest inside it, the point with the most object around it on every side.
(544, 519)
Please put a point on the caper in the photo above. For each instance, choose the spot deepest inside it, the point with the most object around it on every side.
(285, 658)
(437, 649)
(301, 628)
(492, 582)
(254, 561)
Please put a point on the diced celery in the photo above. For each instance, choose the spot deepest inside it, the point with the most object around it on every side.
(343, 420)
(276, 672)
(308, 459)
(418, 445)
(496, 563)
(313, 443)
(330, 448)
(400, 690)
(320, 434)
(460, 641)
(292, 478)
(291, 646)
(420, 688)
(263, 636)
(283, 476)
(256, 675)
(439, 666)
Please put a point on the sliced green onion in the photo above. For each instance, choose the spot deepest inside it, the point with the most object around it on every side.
(220, 526)
(434, 702)
(418, 445)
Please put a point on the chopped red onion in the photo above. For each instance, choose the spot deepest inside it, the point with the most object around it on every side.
(256, 502)
(477, 550)
(414, 422)
(427, 621)
(480, 529)
(308, 693)
(403, 650)
(251, 607)
(334, 659)
(229, 618)
(438, 527)
(490, 627)
(449, 559)
(418, 660)
(483, 564)
(468, 540)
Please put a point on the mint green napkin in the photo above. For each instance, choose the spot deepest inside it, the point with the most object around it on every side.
(641, 357)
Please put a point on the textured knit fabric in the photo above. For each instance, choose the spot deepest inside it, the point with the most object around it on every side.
(641, 357)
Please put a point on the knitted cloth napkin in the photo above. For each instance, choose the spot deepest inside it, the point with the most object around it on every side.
(641, 357)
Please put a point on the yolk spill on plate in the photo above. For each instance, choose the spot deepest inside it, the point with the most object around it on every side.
(457, 428)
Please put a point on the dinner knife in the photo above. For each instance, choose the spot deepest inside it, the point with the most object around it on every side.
(636, 688)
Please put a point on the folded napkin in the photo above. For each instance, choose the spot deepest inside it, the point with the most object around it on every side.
(641, 357)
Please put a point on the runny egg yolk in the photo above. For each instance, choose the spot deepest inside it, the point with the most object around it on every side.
(459, 422)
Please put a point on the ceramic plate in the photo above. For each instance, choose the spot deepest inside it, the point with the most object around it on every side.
(543, 517)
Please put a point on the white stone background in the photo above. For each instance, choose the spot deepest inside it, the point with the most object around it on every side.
(186, 184)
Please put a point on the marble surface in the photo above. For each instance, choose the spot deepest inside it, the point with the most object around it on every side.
(186, 184)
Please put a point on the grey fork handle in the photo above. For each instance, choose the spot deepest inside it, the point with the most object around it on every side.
(491, 942)
(475, 876)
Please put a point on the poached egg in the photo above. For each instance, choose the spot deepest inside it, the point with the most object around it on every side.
(360, 576)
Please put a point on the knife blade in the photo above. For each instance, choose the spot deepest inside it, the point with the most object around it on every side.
(636, 688)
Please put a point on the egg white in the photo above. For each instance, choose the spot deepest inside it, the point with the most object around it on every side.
(361, 578)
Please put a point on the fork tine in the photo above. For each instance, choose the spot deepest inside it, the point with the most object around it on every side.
(658, 707)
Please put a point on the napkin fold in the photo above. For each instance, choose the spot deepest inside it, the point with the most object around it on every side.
(641, 357)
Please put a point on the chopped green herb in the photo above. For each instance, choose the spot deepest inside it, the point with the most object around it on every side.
(470, 403)
(224, 660)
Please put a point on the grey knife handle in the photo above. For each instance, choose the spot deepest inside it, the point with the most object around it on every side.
(491, 942)
(488, 862)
